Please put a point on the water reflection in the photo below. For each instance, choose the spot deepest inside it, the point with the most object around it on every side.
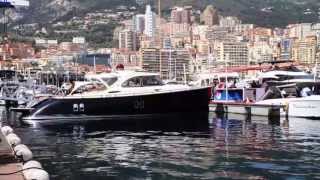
(231, 147)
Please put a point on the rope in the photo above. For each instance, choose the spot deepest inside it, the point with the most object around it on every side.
(15, 172)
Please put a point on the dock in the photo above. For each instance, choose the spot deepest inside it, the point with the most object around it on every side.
(248, 109)
(8, 161)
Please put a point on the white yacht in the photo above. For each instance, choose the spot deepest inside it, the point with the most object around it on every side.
(282, 77)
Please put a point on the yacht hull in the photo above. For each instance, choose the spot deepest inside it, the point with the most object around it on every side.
(303, 107)
(73, 109)
(307, 108)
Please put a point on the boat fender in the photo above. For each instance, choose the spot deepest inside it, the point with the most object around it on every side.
(13, 139)
(32, 164)
(6, 130)
(23, 152)
(33, 171)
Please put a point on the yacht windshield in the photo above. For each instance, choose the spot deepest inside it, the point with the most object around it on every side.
(89, 88)
(151, 81)
(143, 81)
(110, 81)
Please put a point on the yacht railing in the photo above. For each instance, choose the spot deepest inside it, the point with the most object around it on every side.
(121, 94)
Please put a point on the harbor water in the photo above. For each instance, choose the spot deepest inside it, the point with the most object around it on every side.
(227, 147)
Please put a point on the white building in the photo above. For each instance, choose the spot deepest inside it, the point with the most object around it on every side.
(78, 40)
(150, 22)
(232, 54)
(229, 21)
(240, 28)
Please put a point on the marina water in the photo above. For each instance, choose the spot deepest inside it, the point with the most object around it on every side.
(224, 147)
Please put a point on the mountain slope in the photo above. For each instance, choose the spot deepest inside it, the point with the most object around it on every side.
(262, 12)
(280, 12)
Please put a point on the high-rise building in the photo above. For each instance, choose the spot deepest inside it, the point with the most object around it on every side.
(232, 54)
(304, 50)
(181, 15)
(127, 40)
(170, 63)
(210, 16)
(150, 22)
(138, 22)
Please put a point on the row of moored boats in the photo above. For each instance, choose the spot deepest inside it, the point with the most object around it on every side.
(135, 94)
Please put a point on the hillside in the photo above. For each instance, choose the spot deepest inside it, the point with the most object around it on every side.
(261, 12)
(271, 13)
(64, 19)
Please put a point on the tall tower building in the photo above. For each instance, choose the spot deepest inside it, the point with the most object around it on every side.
(186, 15)
(210, 16)
(138, 22)
(150, 22)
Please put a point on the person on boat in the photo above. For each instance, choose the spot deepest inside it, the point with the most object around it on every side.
(231, 84)
(306, 91)
(284, 93)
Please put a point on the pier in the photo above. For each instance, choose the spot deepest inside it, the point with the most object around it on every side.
(270, 111)
(8, 161)
(16, 159)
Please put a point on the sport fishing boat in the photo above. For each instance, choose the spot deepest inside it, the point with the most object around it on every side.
(303, 107)
(123, 95)
(297, 90)
(294, 90)
(298, 101)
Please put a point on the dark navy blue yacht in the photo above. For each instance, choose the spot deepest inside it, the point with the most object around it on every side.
(119, 95)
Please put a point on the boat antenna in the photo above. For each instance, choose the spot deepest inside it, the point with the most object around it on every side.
(315, 74)
(226, 71)
(94, 64)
